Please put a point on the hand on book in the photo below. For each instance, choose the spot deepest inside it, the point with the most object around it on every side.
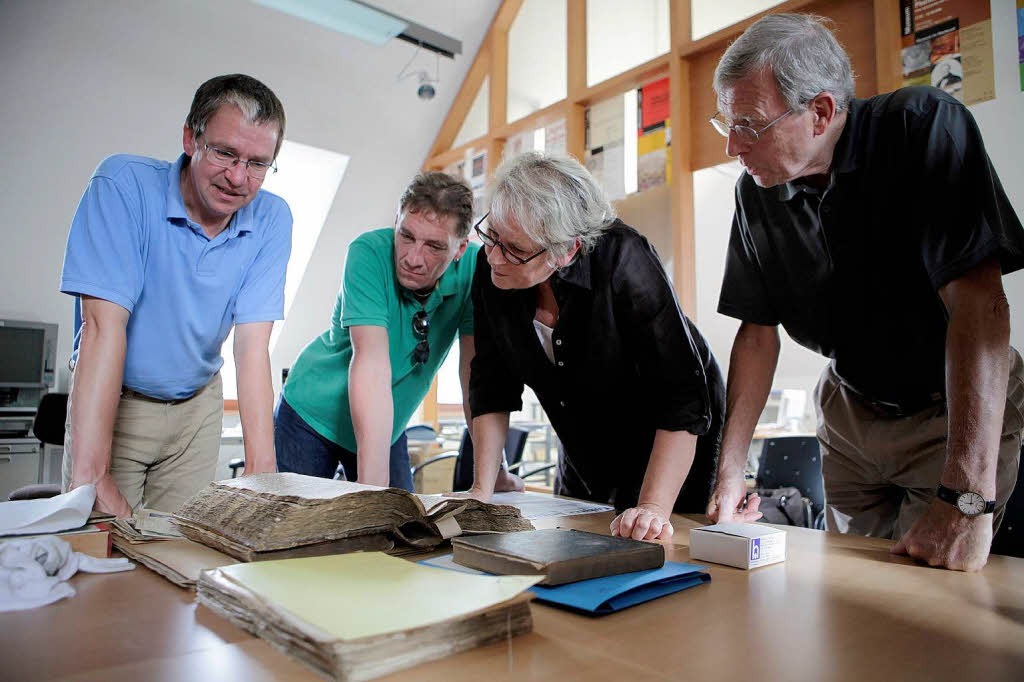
(109, 499)
(473, 493)
(508, 482)
(643, 522)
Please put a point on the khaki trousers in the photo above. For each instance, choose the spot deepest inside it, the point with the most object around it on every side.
(161, 453)
(881, 472)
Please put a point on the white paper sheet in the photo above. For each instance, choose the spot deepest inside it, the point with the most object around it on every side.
(540, 506)
(50, 515)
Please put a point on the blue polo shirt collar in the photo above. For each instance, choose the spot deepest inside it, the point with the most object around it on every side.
(241, 221)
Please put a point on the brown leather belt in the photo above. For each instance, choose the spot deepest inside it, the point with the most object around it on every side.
(135, 395)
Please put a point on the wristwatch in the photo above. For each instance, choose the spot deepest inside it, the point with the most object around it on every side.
(969, 503)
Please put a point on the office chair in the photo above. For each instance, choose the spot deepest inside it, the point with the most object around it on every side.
(462, 479)
(1009, 540)
(48, 427)
(795, 461)
(421, 432)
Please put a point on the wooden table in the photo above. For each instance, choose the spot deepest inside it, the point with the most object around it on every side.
(840, 608)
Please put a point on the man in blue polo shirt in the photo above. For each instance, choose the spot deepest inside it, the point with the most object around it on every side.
(164, 259)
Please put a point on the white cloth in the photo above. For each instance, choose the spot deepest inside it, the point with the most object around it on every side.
(48, 515)
(34, 571)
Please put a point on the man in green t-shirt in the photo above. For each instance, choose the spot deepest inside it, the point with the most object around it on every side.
(405, 297)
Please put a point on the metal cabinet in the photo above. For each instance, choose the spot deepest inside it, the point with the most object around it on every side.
(21, 463)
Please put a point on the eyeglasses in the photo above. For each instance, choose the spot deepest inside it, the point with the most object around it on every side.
(222, 158)
(420, 327)
(746, 134)
(491, 241)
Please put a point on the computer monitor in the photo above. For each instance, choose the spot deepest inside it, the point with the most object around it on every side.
(28, 354)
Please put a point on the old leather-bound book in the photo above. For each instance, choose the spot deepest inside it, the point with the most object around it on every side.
(562, 555)
(284, 514)
(359, 616)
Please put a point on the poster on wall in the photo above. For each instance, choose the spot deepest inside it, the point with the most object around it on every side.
(519, 143)
(653, 135)
(948, 44)
(606, 149)
(1020, 40)
(554, 137)
(476, 163)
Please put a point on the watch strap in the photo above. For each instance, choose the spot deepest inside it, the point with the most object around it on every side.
(953, 496)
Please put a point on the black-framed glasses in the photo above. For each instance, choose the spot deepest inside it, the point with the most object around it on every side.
(744, 133)
(222, 158)
(491, 241)
(420, 328)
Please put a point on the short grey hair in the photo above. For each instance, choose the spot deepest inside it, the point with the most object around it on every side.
(258, 103)
(553, 198)
(442, 196)
(802, 54)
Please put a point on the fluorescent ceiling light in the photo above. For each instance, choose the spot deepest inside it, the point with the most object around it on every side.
(366, 22)
(344, 16)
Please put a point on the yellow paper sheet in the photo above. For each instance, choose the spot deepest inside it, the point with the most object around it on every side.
(369, 593)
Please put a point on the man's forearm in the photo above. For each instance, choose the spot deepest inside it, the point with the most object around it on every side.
(755, 354)
(489, 434)
(671, 459)
(99, 372)
(977, 369)
(372, 418)
(256, 409)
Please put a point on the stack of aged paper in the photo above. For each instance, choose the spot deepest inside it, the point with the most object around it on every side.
(360, 616)
(281, 515)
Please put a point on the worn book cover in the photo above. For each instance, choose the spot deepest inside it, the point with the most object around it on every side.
(360, 616)
(266, 515)
(561, 555)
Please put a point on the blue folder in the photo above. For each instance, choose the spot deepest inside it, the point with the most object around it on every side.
(611, 593)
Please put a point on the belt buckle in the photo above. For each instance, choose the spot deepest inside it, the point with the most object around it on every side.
(889, 409)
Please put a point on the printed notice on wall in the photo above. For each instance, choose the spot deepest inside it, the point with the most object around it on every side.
(653, 135)
(554, 137)
(948, 44)
(1020, 41)
(605, 156)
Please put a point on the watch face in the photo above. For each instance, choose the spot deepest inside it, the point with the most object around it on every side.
(971, 504)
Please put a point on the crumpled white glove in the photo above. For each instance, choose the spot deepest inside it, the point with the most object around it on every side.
(33, 571)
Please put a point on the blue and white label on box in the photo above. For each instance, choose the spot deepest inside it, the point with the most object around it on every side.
(755, 549)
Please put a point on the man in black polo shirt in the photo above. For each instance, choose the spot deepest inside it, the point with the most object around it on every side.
(876, 232)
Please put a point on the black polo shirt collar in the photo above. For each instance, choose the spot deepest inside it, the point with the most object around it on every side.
(577, 272)
(846, 156)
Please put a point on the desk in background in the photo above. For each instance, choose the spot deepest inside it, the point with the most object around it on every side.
(840, 608)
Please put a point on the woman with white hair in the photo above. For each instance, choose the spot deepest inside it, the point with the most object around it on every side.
(575, 304)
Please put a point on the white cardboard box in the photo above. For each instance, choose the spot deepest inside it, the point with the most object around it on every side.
(743, 545)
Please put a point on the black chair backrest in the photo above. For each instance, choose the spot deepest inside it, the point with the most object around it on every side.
(420, 432)
(515, 444)
(462, 479)
(793, 461)
(48, 425)
(1009, 540)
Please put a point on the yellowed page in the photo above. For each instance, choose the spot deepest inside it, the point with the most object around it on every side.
(369, 593)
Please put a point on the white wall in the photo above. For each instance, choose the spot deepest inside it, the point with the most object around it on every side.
(1000, 121)
(84, 79)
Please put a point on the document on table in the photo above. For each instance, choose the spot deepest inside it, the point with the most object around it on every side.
(47, 515)
(541, 506)
(609, 594)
